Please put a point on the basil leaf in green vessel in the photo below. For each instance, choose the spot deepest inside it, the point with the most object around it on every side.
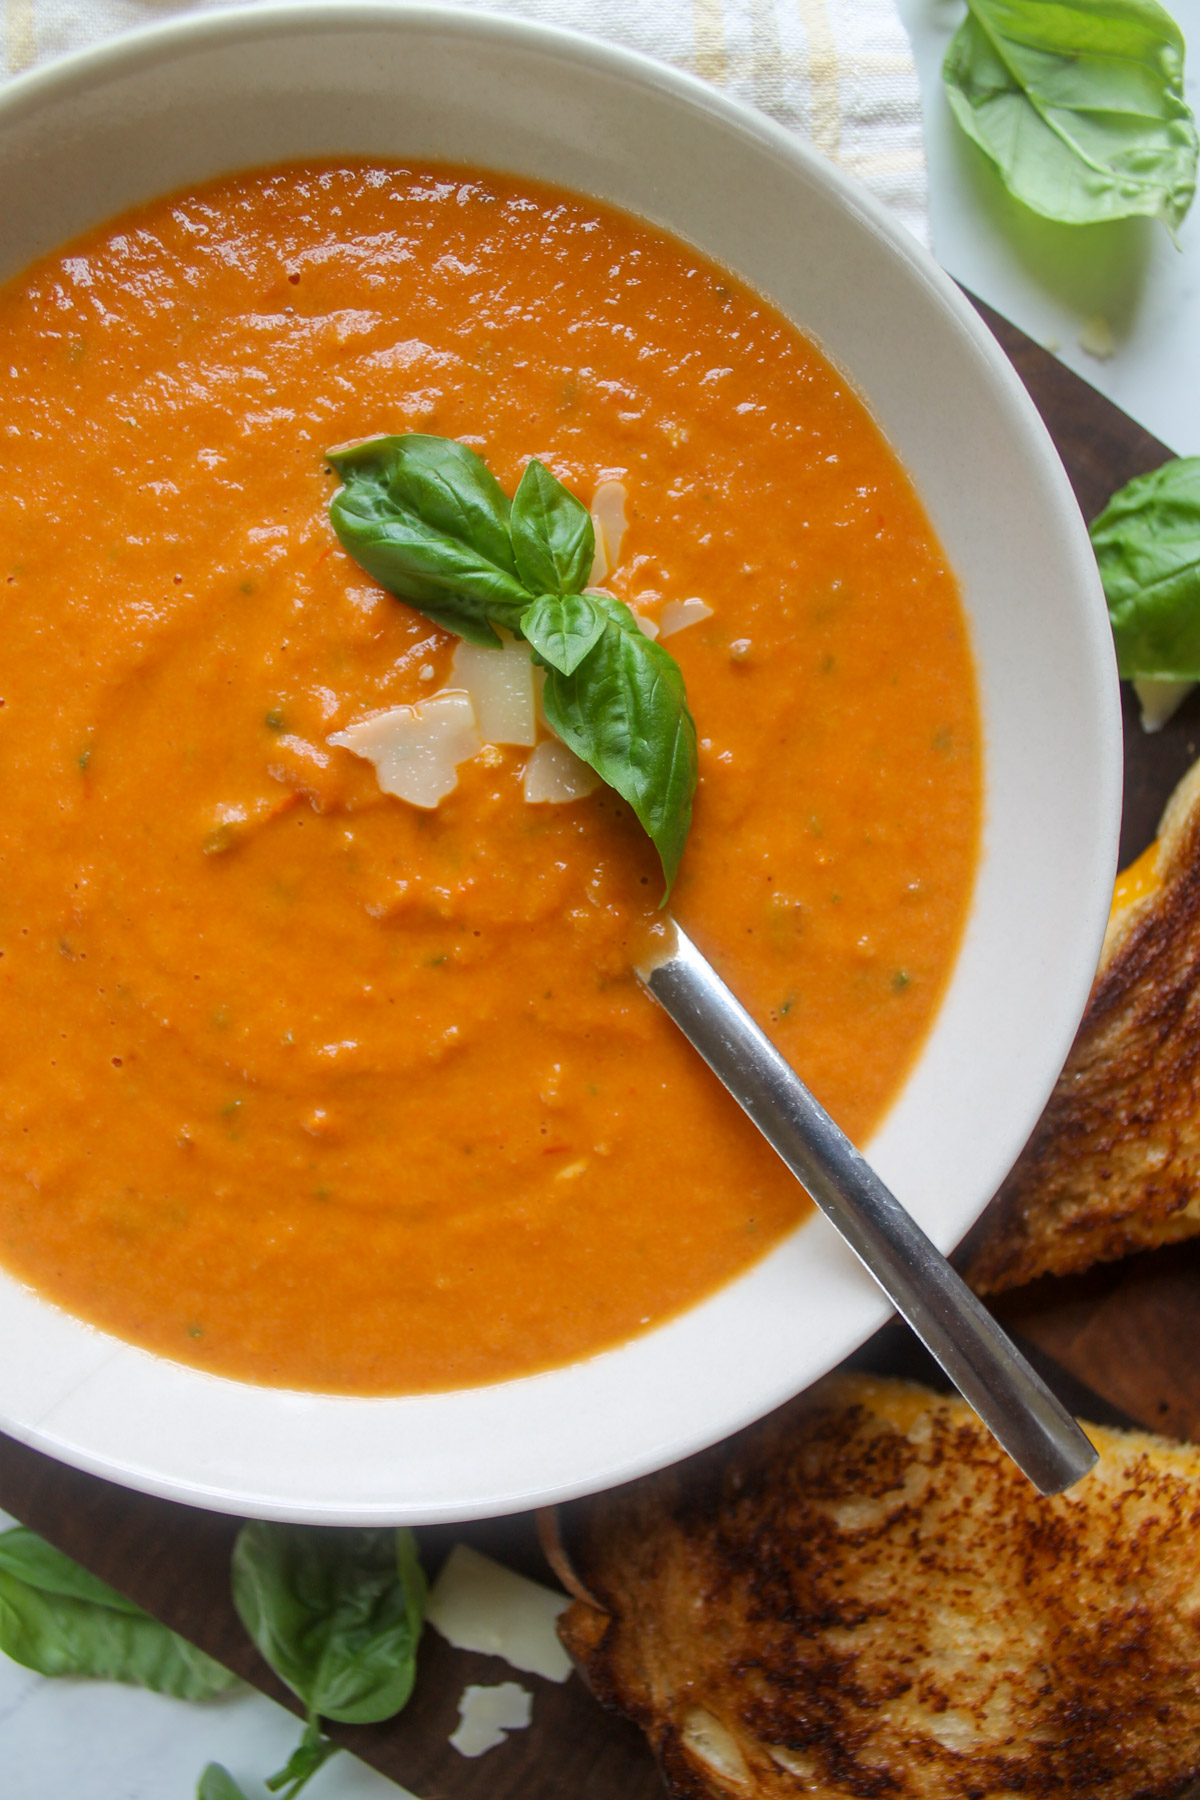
(615, 697)
(1079, 103)
(338, 1615)
(57, 1618)
(553, 538)
(564, 628)
(217, 1783)
(1147, 544)
(427, 518)
(624, 711)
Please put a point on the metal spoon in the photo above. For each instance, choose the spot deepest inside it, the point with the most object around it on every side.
(987, 1369)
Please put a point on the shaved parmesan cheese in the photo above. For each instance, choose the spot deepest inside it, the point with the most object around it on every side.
(677, 615)
(487, 1714)
(478, 1604)
(539, 688)
(500, 682)
(647, 627)
(608, 522)
(1160, 701)
(555, 774)
(417, 749)
(710, 1743)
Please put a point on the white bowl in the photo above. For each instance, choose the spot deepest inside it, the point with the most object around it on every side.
(89, 137)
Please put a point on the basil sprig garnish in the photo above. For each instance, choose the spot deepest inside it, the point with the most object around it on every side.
(427, 518)
(1147, 544)
(1079, 104)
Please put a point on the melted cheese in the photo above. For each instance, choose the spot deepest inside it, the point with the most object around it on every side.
(1138, 880)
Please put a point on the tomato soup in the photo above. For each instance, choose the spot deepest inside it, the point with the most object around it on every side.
(311, 1087)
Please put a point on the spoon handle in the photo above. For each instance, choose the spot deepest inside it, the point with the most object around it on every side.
(985, 1366)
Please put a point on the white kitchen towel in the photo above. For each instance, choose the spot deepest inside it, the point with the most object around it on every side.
(839, 73)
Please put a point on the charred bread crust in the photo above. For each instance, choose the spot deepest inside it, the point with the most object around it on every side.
(1113, 1165)
(865, 1600)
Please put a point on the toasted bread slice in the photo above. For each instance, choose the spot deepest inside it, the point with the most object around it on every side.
(863, 1597)
(1114, 1163)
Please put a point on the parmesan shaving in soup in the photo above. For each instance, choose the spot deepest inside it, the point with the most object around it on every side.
(677, 615)
(416, 750)
(555, 774)
(609, 524)
(500, 682)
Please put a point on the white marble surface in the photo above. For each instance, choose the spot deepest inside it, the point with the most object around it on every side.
(1053, 279)
(86, 1741)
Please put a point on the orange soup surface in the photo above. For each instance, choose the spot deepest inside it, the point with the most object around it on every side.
(305, 1085)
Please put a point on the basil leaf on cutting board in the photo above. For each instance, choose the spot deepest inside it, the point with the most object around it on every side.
(427, 518)
(338, 1616)
(1079, 103)
(1147, 544)
(337, 1613)
(57, 1618)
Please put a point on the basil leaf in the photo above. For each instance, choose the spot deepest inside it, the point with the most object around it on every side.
(427, 518)
(563, 628)
(1147, 544)
(1079, 103)
(625, 712)
(32, 1560)
(553, 538)
(311, 1753)
(336, 1613)
(58, 1619)
(217, 1783)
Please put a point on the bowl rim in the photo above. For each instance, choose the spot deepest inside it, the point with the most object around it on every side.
(57, 1426)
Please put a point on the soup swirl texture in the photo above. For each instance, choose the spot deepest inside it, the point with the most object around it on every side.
(314, 1088)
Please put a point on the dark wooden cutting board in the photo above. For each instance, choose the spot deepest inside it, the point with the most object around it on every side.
(1129, 1332)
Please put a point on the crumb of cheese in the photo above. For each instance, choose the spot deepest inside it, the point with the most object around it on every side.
(487, 1714)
